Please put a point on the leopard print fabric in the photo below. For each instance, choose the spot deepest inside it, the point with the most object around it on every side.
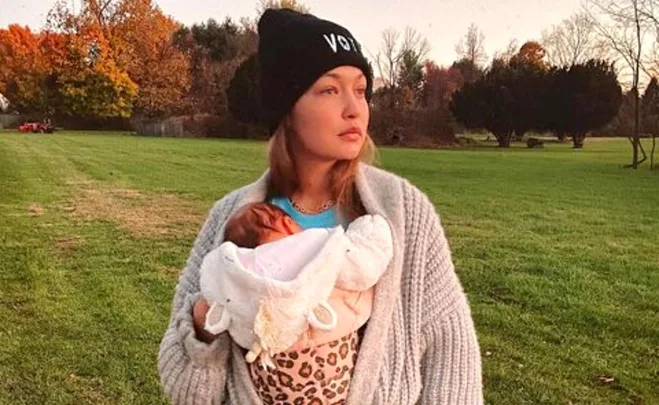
(313, 376)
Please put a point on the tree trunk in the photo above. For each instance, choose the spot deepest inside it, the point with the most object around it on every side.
(561, 136)
(504, 139)
(636, 128)
(578, 139)
(654, 144)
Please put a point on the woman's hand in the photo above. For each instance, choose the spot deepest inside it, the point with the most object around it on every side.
(199, 318)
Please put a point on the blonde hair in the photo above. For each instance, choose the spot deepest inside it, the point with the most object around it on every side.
(284, 179)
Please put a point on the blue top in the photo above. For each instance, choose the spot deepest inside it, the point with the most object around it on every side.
(326, 219)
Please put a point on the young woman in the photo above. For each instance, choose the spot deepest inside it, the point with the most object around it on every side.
(411, 339)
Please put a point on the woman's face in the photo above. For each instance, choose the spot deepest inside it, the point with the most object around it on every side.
(331, 117)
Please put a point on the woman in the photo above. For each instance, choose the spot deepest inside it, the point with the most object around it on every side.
(417, 342)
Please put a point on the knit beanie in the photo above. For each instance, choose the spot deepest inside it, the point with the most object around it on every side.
(295, 49)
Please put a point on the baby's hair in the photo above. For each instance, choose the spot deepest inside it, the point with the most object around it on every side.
(248, 227)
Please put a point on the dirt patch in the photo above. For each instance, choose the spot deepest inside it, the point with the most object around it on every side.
(139, 212)
(66, 246)
(35, 210)
(171, 271)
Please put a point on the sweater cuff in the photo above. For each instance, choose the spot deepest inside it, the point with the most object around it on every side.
(201, 353)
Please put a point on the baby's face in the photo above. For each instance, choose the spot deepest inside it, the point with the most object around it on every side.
(285, 226)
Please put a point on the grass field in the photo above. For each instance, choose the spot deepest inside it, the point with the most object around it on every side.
(557, 249)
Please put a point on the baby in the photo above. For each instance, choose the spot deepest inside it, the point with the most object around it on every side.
(270, 281)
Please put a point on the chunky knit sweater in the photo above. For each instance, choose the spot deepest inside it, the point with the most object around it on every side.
(419, 347)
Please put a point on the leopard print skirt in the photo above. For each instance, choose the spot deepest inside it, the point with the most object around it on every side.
(313, 376)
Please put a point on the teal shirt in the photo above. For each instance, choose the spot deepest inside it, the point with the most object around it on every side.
(325, 219)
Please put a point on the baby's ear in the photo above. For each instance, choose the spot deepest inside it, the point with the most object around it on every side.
(289, 224)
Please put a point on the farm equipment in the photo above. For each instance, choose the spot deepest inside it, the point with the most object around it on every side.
(37, 127)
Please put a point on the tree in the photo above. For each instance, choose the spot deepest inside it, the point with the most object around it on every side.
(410, 79)
(472, 46)
(504, 101)
(150, 57)
(623, 24)
(89, 81)
(140, 38)
(573, 41)
(507, 54)
(581, 98)
(650, 114)
(439, 85)
(215, 51)
(469, 70)
(531, 53)
(23, 70)
(243, 93)
(393, 48)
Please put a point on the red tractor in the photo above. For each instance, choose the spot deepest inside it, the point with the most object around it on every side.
(36, 127)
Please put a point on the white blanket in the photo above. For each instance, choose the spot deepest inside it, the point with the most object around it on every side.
(267, 297)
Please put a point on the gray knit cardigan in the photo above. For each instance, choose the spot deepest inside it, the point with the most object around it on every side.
(419, 347)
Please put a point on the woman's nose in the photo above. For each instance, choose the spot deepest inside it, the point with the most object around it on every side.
(351, 106)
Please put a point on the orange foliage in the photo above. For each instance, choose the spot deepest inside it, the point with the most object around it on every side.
(143, 35)
(22, 68)
(532, 52)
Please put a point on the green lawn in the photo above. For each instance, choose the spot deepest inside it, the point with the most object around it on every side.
(557, 249)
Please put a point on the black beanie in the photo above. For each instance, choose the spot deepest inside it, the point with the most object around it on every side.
(295, 49)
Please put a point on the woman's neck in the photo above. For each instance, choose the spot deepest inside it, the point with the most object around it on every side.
(314, 183)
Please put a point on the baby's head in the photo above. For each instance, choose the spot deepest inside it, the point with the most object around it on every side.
(259, 223)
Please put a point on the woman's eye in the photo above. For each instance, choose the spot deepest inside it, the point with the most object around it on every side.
(361, 91)
(329, 90)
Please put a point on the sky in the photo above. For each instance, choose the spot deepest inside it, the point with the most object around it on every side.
(442, 22)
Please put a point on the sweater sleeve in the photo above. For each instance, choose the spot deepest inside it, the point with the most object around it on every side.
(191, 371)
(451, 362)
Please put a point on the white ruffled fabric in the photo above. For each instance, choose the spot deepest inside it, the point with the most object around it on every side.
(271, 294)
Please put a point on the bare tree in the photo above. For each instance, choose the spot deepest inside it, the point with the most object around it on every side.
(575, 40)
(472, 46)
(393, 48)
(650, 11)
(507, 54)
(624, 27)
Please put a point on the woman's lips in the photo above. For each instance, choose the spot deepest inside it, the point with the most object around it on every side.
(351, 135)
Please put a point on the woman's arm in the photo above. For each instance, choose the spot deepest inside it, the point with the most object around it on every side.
(451, 363)
(192, 371)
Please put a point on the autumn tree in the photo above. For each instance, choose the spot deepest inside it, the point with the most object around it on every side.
(89, 81)
(439, 85)
(531, 53)
(139, 36)
(150, 57)
(215, 50)
(88, 74)
(23, 70)
(506, 54)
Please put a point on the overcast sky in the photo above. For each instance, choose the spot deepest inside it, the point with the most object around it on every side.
(442, 22)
